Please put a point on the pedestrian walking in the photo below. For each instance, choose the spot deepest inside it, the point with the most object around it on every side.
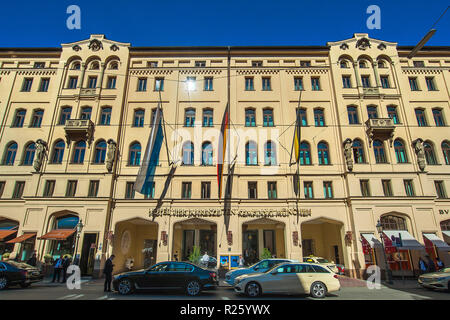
(440, 264)
(65, 266)
(241, 261)
(33, 260)
(205, 259)
(107, 271)
(430, 263)
(57, 269)
(422, 266)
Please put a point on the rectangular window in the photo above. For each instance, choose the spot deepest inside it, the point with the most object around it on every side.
(2, 187)
(372, 112)
(159, 84)
(49, 188)
(18, 189)
(142, 84)
(346, 81)
(206, 190)
(308, 189)
(252, 190)
(365, 189)
(71, 188)
(152, 64)
(328, 189)
(438, 118)
(257, 63)
(385, 82)
(298, 83)
(72, 83)
(93, 188)
(27, 83)
(186, 189)
(129, 190)
(421, 119)
(413, 84)
(430, 84)
(392, 113)
(266, 84)
(387, 188)
(39, 65)
(365, 81)
(200, 64)
(319, 117)
(409, 188)
(352, 115)
(305, 63)
(191, 83)
(249, 85)
(301, 115)
(92, 82)
(418, 64)
(44, 84)
(315, 84)
(272, 190)
(111, 84)
(208, 84)
(440, 189)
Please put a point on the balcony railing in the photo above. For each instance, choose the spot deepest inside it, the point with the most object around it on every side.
(79, 129)
(380, 128)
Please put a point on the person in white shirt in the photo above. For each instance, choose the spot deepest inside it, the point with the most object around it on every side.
(241, 261)
(205, 259)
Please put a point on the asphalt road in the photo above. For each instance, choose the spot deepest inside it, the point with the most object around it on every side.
(93, 290)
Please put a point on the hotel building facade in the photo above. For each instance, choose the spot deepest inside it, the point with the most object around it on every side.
(375, 146)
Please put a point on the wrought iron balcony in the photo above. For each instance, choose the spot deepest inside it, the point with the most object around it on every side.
(380, 128)
(79, 129)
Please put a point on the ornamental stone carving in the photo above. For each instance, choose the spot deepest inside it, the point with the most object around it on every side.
(381, 46)
(95, 45)
(420, 152)
(76, 48)
(41, 148)
(344, 46)
(348, 153)
(114, 47)
(110, 155)
(363, 44)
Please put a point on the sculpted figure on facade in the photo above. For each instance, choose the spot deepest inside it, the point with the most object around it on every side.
(41, 148)
(420, 152)
(112, 146)
(348, 153)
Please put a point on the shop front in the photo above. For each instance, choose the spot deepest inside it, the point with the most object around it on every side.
(436, 248)
(61, 238)
(27, 244)
(8, 231)
(369, 245)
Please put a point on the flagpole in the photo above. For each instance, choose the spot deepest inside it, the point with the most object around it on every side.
(229, 120)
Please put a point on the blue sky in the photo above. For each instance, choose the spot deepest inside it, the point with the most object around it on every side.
(42, 23)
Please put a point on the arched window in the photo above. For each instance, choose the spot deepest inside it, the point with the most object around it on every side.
(105, 116)
(10, 154)
(270, 154)
(134, 157)
(207, 154)
(65, 115)
(189, 117)
(301, 117)
(324, 157)
(305, 153)
(446, 151)
(86, 113)
(250, 118)
(58, 152)
(138, 119)
(391, 222)
(95, 65)
(358, 151)
(251, 153)
(78, 152)
(268, 117)
(381, 64)
(430, 155)
(100, 152)
(378, 149)
(113, 65)
(19, 118)
(362, 64)
(28, 156)
(400, 151)
(188, 153)
(76, 65)
(344, 64)
(66, 222)
(352, 115)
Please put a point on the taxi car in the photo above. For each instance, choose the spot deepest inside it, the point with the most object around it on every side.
(436, 280)
(336, 268)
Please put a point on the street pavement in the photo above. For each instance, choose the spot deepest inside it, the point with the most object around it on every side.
(351, 289)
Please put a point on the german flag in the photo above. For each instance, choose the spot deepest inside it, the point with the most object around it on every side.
(222, 148)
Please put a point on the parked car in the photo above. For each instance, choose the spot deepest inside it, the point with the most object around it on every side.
(436, 280)
(212, 263)
(290, 278)
(336, 268)
(18, 273)
(261, 266)
(167, 275)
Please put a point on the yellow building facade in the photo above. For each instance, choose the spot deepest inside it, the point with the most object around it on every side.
(374, 146)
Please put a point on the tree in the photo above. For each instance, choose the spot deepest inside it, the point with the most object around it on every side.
(194, 257)
(266, 254)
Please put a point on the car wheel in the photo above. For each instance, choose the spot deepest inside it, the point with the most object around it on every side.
(125, 286)
(3, 283)
(253, 289)
(193, 288)
(318, 290)
(25, 285)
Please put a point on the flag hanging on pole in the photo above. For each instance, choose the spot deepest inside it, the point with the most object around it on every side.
(297, 137)
(222, 149)
(144, 179)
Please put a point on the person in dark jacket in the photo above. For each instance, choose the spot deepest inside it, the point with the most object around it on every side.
(65, 265)
(423, 267)
(440, 264)
(33, 260)
(57, 269)
(107, 271)
(431, 265)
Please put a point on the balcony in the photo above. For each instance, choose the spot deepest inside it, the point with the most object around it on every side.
(79, 129)
(380, 128)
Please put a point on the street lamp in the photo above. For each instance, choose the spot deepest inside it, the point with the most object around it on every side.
(388, 269)
(79, 229)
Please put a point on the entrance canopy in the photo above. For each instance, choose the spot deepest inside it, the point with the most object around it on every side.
(22, 238)
(58, 234)
(408, 241)
(436, 241)
(6, 233)
(370, 238)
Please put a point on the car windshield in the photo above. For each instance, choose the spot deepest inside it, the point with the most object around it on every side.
(158, 267)
(19, 264)
(322, 260)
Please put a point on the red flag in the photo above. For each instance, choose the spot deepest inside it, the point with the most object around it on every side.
(222, 148)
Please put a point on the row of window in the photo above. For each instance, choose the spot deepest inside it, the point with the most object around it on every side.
(72, 82)
(408, 185)
(365, 81)
(85, 114)
(28, 83)
(430, 82)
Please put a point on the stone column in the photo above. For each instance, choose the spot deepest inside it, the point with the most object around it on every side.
(358, 79)
(375, 70)
(83, 71)
(99, 84)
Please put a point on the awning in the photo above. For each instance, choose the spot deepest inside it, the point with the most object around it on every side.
(408, 241)
(370, 238)
(23, 237)
(439, 243)
(58, 234)
(446, 233)
(6, 233)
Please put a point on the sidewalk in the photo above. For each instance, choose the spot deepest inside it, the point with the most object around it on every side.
(48, 281)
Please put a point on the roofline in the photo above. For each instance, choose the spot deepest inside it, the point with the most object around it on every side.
(225, 48)
(28, 49)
